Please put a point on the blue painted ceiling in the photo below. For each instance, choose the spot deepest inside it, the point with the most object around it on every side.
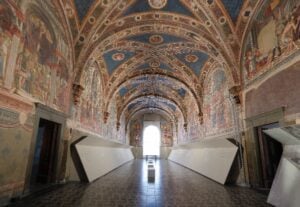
(83, 7)
(181, 92)
(174, 6)
(166, 38)
(112, 64)
(197, 65)
(150, 86)
(233, 7)
(162, 66)
(151, 102)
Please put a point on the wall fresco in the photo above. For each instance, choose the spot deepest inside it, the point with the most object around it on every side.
(136, 133)
(216, 105)
(274, 35)
(182, 134)
(43, 64)
(110, 128)
(15, 140)
(90, 103)
(166, 129)
(8, 28)
(194, 129)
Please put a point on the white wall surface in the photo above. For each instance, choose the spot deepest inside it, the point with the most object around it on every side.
(211, 158)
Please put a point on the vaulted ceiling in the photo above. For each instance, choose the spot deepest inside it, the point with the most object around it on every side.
(154, 54)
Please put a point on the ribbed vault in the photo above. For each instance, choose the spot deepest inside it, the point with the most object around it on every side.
(154, 55)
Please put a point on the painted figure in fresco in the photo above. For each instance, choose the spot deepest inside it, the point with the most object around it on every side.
(39, 38)
(217, 115)
(279, 27)
(7, 19)
(296, 14)
(287, 36)
(41, 65)
(3, 52)
(7, 29)
(37, 62)
(135, 133)
(90, 110)
(276, 31)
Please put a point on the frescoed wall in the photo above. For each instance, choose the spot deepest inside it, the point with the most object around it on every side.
(8, 28)
(274, 36)
(182, 134)
(166, 129)
(43, 62)
(216, 105)
(35, 59)
(194, 129)
(136, 132)
(16, 128)
(90, 101)
(45, 50)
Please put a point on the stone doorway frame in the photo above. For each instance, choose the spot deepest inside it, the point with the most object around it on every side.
(47, 113)
(251, 142)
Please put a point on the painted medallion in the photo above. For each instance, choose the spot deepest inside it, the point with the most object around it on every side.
(157, 4)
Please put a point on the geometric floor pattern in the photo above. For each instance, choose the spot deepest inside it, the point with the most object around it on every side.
(128, 186)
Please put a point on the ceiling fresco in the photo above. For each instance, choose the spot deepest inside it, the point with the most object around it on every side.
(233, 8)
(154, 54)
(82, 7)
(174, 6)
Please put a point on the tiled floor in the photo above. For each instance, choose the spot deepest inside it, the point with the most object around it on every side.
(128, 186)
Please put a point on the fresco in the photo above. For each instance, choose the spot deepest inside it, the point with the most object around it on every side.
(43, 62)
(90, 103)
(122, 131)
(136, 133)
(110, 128)
(166, 129)
(216, 105)
(274, 35)
(7, 29)
(194, 127)
(15, 139)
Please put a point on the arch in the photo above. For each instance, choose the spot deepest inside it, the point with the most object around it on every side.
(181, 109)
(147, 109)
(114, 89)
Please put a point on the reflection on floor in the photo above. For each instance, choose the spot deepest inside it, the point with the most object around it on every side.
(128, 186)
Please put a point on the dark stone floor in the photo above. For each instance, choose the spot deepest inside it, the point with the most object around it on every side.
(128, 186)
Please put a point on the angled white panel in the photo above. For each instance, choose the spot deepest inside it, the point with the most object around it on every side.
(99, 156)
(211, 158)
(286, 186)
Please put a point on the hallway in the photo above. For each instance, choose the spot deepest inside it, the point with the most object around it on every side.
(128, 186)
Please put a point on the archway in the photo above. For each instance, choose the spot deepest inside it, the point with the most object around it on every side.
(151, 141)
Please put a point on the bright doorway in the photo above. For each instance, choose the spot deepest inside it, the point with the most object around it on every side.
(151, 141)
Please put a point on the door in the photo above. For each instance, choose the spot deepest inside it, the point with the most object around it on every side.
(270, 151)
(45, 155)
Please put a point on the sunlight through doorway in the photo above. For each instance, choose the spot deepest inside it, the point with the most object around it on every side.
(151, 141)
